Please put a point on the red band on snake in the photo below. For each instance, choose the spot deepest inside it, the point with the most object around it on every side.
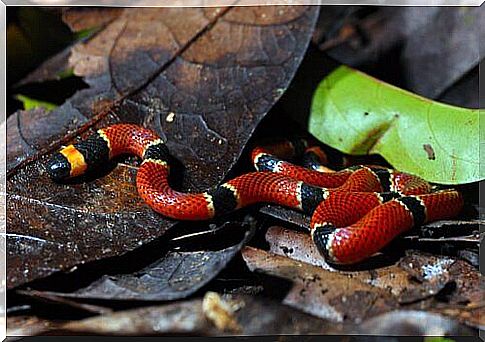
(355, 212)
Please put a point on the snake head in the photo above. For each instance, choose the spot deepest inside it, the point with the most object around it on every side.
(59, 167)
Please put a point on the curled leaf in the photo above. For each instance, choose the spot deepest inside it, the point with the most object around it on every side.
(358, 114)
(319, 292)
(394, 278)
(175, 275)
(30, 103)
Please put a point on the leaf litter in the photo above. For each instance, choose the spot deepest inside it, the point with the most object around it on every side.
(175, 275)
(252, 316)
(418, 280)
(427, 284)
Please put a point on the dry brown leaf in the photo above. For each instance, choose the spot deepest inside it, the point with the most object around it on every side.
(320, 292)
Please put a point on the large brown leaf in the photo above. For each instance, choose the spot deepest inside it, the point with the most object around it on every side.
(175, 275)
(393, 278)
(320, 292)
(202, 78)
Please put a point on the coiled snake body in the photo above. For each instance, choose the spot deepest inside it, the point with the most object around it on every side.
(355, 212)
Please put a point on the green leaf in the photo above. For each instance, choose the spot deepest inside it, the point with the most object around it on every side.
(86, 33)
(32, 103)
(358, 114)
(438, 339)
(66, 73)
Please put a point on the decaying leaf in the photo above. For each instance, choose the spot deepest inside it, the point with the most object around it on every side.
(203, 83)
(175, 275)
(465, 302)
(320, 292)
(358, 114)
(461, 298)
(425, 269)
(418, 280)
(397, 280)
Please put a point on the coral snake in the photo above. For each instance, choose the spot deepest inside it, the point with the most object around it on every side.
(355, 211)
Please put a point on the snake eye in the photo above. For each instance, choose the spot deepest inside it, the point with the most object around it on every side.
(58, 167)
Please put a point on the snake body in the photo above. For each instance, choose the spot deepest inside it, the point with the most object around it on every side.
(355, 212)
